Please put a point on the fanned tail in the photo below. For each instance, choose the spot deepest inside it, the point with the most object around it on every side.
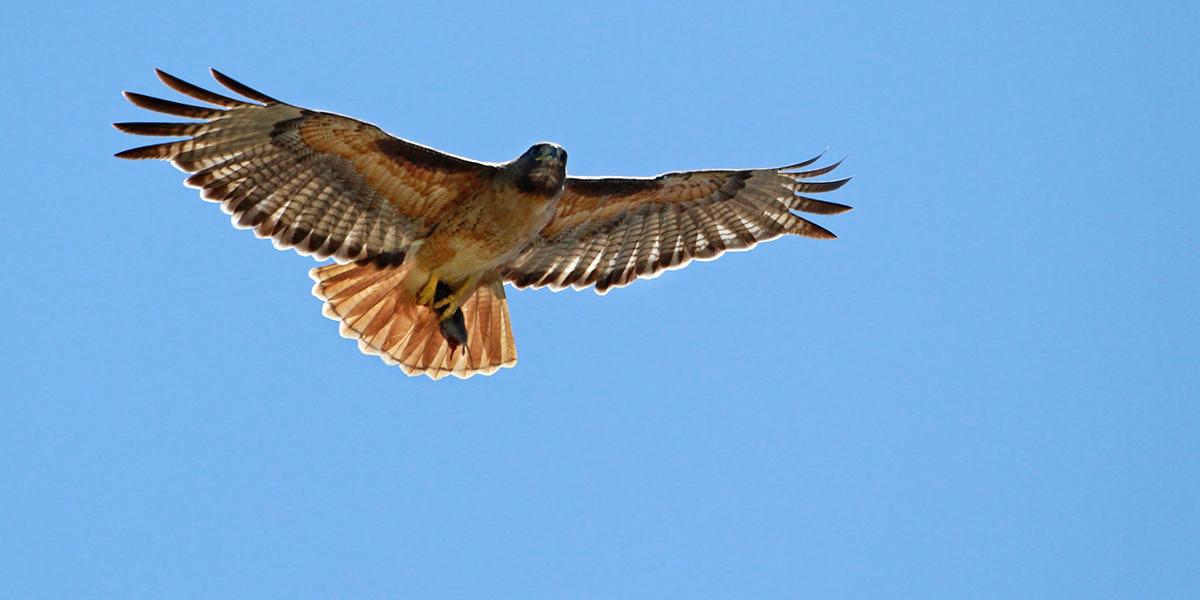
(377, 307)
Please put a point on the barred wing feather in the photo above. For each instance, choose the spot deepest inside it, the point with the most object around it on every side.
(607, 232)
(324, 184)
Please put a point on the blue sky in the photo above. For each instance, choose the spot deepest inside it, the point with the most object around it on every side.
(986, 388)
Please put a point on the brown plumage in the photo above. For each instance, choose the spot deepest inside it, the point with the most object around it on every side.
(424, 241)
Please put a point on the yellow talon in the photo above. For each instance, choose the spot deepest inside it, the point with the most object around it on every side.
(449, 311)
(454, 301)
(427, 293)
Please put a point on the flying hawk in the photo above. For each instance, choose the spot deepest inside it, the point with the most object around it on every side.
(424, 241)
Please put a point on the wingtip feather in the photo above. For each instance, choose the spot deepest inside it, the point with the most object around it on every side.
(818, 187)
(805, 163)
(194, 91)
(139, 153)
(241, 88)
(170, 107)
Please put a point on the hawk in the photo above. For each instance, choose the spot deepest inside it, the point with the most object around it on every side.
(424, 241)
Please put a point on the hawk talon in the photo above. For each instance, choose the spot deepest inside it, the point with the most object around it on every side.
(453, 301)
(428, 292)
(448, 312)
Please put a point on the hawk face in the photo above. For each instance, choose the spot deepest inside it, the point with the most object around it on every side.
(541, 170)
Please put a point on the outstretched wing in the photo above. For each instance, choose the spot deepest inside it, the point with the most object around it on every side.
(607, 232)
(321, 183)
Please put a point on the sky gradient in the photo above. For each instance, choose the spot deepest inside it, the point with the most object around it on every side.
(986, 388)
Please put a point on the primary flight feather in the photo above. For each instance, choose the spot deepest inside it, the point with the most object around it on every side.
(424, 241)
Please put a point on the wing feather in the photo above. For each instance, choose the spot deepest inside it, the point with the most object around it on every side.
(169, 107)
(197, 92)
(241, 88)
(608, 232)
(324, 184)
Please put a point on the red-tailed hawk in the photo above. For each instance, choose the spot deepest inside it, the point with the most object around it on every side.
(425, 241)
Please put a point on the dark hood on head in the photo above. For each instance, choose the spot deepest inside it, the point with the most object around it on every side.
(542, 169)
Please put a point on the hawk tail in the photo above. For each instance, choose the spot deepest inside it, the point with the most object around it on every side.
(376, 306)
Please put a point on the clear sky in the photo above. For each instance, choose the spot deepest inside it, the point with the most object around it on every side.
(986, 388)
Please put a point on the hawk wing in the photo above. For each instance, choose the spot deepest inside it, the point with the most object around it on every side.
(607, 232)
(321, 183)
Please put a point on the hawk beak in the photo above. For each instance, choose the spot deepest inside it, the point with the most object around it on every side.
(549, 153)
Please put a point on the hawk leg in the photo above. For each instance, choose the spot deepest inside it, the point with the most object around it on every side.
(428, 293)
(450, 304)
(439, 297)
(454, 325)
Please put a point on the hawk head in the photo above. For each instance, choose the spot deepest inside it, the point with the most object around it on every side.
(541, 170)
